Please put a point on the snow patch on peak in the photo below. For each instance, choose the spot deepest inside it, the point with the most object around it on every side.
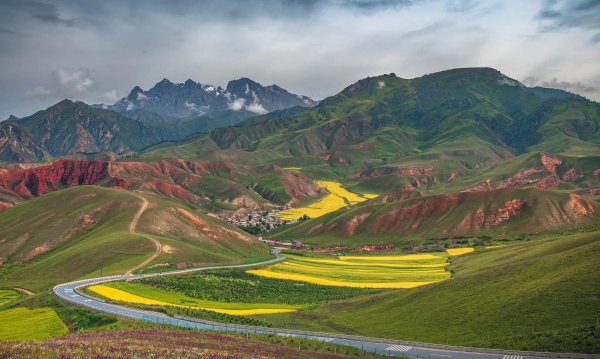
(380, 84)
(141, 97)
(130, 106)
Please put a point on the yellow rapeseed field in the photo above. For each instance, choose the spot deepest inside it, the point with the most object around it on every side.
(399, 271)
(337, 198)
(337, 283)
(123, 296)
(459, 251)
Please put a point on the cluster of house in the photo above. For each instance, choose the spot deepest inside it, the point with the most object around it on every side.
(263, 220)
(282, 244)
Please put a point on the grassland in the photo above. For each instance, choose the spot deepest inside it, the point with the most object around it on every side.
(26, 324)
(399, 271)
(84, 231)
(337, 198)
(141, 294)
(537, 295)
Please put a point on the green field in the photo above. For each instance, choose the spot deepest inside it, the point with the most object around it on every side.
(26, 324)
(238, 286)
(538, 295)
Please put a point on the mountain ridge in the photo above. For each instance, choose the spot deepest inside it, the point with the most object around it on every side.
(190, 98)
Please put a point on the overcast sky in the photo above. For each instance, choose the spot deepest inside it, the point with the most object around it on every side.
(96, 51)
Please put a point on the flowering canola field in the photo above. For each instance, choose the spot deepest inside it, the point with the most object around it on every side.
(141, 294)
(337, 198)
(459, 251)
(398, 271)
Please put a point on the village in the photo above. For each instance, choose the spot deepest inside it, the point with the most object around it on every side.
(262, 221)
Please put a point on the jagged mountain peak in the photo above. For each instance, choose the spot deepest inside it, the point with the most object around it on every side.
(189, 99)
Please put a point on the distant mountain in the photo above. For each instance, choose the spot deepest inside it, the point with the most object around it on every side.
(69, 128)
(167, 100)
(474, 117)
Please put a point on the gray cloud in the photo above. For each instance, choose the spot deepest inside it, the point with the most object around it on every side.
(39, 10)
(556, 15)
(65, 83)
(11, 32)
(576, 87)
(315, 48)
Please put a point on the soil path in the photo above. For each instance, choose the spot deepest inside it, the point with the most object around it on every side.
(132, 227)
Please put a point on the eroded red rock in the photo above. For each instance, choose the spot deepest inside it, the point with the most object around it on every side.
(550, 163)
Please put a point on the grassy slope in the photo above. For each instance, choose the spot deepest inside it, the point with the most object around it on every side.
(510, 297)
(25, 324)
(105, 248)
(545, 211)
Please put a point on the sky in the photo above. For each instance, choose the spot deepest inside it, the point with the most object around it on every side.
(97, 51)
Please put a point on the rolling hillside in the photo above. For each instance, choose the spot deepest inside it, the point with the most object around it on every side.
(86, 231)
(219, 186)
(397, 218)
(538, 295)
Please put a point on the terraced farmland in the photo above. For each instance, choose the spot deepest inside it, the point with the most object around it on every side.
(137, 293)
(399, 271)
(337, 198)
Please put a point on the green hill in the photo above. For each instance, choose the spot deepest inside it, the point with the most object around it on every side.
(85, 231)
(539, 295)
(405, 218)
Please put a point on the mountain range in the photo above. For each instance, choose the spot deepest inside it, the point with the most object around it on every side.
(166, 112)
(191, 99)
(436, 136)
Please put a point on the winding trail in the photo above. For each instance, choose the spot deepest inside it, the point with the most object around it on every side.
(132, 226)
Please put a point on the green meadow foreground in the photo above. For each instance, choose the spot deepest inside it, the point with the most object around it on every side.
(26, 324)
(169, 343)
(544, 283)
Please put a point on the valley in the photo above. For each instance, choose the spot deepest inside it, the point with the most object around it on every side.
(398, 213)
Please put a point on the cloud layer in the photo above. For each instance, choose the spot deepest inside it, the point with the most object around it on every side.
(96, 51)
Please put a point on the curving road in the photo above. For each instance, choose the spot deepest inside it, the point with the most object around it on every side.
(70, 293)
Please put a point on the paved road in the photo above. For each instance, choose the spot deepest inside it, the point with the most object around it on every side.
(69, 292)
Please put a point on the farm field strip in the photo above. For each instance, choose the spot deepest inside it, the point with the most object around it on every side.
(7, 296)
(460, 251)
(30, 324)
(337, 198)
(140, 294)
(399, 271)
